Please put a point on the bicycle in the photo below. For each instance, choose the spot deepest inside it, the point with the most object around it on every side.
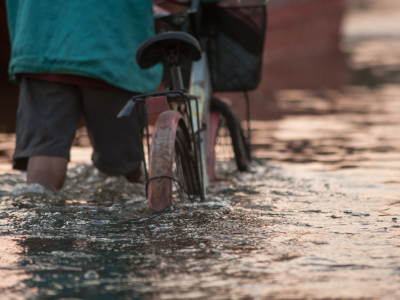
(188, 118)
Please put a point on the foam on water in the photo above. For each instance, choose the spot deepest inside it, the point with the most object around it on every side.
(29, 189)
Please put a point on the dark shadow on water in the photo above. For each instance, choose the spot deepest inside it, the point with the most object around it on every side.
(374, 77)
(63, 268)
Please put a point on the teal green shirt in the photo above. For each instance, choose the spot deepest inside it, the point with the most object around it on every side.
(93, 38)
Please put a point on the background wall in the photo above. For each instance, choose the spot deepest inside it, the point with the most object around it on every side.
(8, 91)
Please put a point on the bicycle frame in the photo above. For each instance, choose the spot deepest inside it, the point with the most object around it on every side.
(200, 85)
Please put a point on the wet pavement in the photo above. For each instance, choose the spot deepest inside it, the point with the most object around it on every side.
(317, 217)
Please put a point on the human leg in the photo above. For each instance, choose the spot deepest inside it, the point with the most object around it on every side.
(117, 144)
(134, 176)
(47, 118)
(48, 171)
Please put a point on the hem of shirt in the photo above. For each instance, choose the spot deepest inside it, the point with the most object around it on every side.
(77, 80)
(30, 66)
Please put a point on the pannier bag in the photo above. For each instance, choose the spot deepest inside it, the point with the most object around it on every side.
(235, 34)
(236, 30)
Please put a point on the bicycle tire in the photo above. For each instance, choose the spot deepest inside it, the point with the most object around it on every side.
(185, 165)
(172, 172)
(239, 144)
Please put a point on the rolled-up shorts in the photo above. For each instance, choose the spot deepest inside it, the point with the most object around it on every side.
(48, 115)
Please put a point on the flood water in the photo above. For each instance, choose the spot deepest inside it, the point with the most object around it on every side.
(317, 217)
(269, 234)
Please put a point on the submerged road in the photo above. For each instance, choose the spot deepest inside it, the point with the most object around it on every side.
(269, 234)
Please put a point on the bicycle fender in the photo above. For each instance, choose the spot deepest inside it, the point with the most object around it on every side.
(161, 159)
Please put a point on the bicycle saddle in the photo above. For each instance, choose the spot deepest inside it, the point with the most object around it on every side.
(160, 47)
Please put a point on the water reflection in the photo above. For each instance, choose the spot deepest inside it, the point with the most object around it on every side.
(11, 276)
(355, 130)
(272, 233)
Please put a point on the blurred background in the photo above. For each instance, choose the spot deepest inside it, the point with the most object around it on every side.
(329, 95)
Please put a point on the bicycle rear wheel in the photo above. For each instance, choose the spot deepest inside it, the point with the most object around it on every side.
(172, 169)
(229, 136)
